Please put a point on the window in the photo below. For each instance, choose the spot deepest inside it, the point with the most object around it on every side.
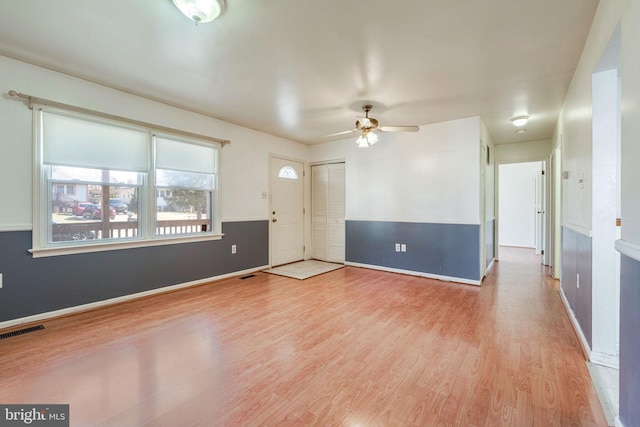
(103, 181)
(288, 172)
(185, 176)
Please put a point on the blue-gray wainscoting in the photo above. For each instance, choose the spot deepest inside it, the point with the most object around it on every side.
(576, 260)
(490, 241)
(451, 250)
(40, 285)
(629, 341)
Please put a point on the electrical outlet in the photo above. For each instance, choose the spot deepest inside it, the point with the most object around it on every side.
(403, 247)
(397, 247)
(233, 249)
(0, 280)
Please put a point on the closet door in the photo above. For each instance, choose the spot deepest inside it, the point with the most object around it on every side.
(327, 212)
(335, 213)
(319, 188)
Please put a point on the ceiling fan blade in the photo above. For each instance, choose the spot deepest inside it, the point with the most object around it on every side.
(399, 128)
(341, 133)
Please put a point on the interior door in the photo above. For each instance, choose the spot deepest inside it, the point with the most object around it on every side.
(540, 212)
(327, 212)
(287, 211)
(335, 213)
(319, 193)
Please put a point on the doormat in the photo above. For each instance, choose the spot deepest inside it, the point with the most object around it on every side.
(304, 269)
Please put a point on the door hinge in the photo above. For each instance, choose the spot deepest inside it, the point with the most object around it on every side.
(542, 172)
(304, 248)
(542, 252)
(304, 211)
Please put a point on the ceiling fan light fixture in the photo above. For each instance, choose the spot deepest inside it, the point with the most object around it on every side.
(200, 11)
(520, 120)
(362, 142)
(367, 139)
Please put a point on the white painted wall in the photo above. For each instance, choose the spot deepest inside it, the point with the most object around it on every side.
(605, 264)
(489, 207)
(521, 152)
(630, 123)
(517, 207)
(428, 176)
(575, 123)
(244, 162)
(487, 192)
(557, 212)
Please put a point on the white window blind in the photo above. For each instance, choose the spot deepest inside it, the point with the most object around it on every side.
(185, 157)
(82, 142)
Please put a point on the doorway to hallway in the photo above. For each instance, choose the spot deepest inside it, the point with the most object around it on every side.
(522, 207)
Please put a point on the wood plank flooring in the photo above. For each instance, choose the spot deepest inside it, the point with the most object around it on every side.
(349, 347)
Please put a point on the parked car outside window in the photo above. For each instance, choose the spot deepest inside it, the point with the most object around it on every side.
(78, 209)
(94, 212)
(89, 209)
(97, 214)
(119, 206)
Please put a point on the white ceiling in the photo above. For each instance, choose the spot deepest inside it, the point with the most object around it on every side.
(302, 69)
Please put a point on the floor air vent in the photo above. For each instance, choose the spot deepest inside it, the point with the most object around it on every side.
(247, 277)
(21, 332)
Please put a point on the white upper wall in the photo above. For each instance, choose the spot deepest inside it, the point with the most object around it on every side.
(522, 152)
(429, 176)
(574, 129)
(244, 163)
(489, 173)
(631, 123)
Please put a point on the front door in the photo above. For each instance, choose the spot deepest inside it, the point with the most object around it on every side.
(287, 211)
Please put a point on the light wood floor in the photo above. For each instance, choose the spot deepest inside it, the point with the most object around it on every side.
(352, 347)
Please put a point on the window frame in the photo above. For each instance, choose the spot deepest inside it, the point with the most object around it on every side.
(42, 247)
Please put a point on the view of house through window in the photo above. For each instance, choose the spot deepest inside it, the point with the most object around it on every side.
(79, 215)
(100, 182)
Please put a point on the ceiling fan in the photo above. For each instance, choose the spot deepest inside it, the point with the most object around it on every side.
(368, 126)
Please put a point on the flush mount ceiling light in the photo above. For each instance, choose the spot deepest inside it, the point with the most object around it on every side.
(200, 10)
(520, 120)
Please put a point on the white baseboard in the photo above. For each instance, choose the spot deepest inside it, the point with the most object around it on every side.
(513, 245)
(490, 266)
(111, 301)
(417, 273)
(618, 422)
(605, 359)
(576, 325)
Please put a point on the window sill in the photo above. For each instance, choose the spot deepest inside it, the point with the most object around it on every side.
(114, 246)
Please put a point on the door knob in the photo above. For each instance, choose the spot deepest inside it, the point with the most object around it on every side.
(274, 220)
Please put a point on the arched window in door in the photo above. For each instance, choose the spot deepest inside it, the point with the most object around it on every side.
(287, 172)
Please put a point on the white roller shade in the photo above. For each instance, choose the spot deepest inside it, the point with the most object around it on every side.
(186, 157)
(77, 141)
